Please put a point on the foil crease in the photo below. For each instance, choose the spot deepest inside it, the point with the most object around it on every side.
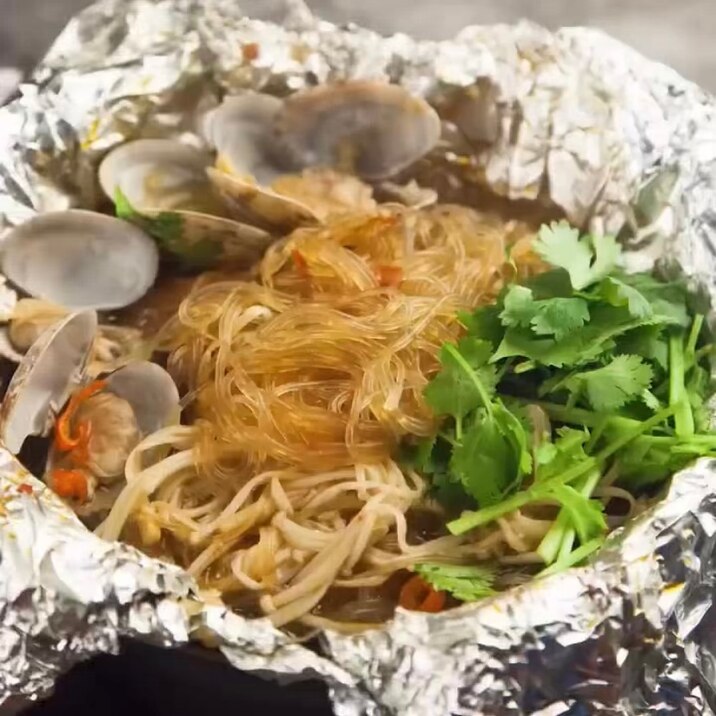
(572, 119)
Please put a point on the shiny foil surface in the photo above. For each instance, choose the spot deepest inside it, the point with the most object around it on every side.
(574, 120)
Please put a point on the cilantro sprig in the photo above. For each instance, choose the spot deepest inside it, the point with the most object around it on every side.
(468, 583)
(168, 229)
(615, 360)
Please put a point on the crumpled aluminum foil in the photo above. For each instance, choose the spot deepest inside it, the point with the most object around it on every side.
(572, 118)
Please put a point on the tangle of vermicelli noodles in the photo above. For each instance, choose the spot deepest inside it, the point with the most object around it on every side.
(299, 389)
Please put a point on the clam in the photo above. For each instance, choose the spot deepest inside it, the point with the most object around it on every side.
(80, 260)
(45, 377)
(162, 185)
(103, 422)
(115, 345)
(368, 129)
(158, 174)
(97, 423)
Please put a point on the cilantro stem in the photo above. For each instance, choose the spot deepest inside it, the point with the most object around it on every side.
(550, 545)
(558, 542)
(448, 438)
(579, 555)
(572, 400)
(596, 433)
(683, 417)
(457, 357)
(458, 429)
(538, 491)
(698, 440)
(502, 371)
(541, 490)
(524, 367)
(628, 435)
(690, 350)
(578, 416)
(704, 351)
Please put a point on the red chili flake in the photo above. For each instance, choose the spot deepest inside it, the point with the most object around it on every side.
(250, 52)
(300, 262)
(389, 275)
(25, 489)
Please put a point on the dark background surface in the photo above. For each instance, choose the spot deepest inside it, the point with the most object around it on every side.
(149, 681)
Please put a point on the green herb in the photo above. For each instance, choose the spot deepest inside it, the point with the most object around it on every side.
(167, 228)
(618, 293)
(621, 359)
(468, 583)
(556, 317)
(612, 386)
(586, 259)
(490, 455)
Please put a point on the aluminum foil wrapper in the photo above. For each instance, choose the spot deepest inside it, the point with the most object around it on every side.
(573, 119)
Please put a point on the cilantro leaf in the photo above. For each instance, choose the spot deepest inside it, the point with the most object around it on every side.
(650, 400)
(466, 380)
(492, 456)
(554, 316)
(431, 457)
(446, 488)
(666, 299)
(618, 293)
(607, 253)
(586, 259)
(468, 583)
(122, 206)
(648, 342)
(484, 324)
(551, 284)
(485, 461)
(167, 228)
(419, 456)
(519, 307)
(560, 316)
(613, 385)
(580, 346)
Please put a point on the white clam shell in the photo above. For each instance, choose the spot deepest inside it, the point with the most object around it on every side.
(81, 259)
(372, 129)
(45, 377)
(162, 176)
(154, 173)
(261, 205)
(240, 129)
(151, 392)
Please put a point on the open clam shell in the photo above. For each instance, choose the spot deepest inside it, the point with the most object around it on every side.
(202, 240)
(156, 174)
(102, 423)
(151, 392)
(240, 129)
(162, 186)
(369, 129)
(45, 377)
(261, 205)
(80, 260)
